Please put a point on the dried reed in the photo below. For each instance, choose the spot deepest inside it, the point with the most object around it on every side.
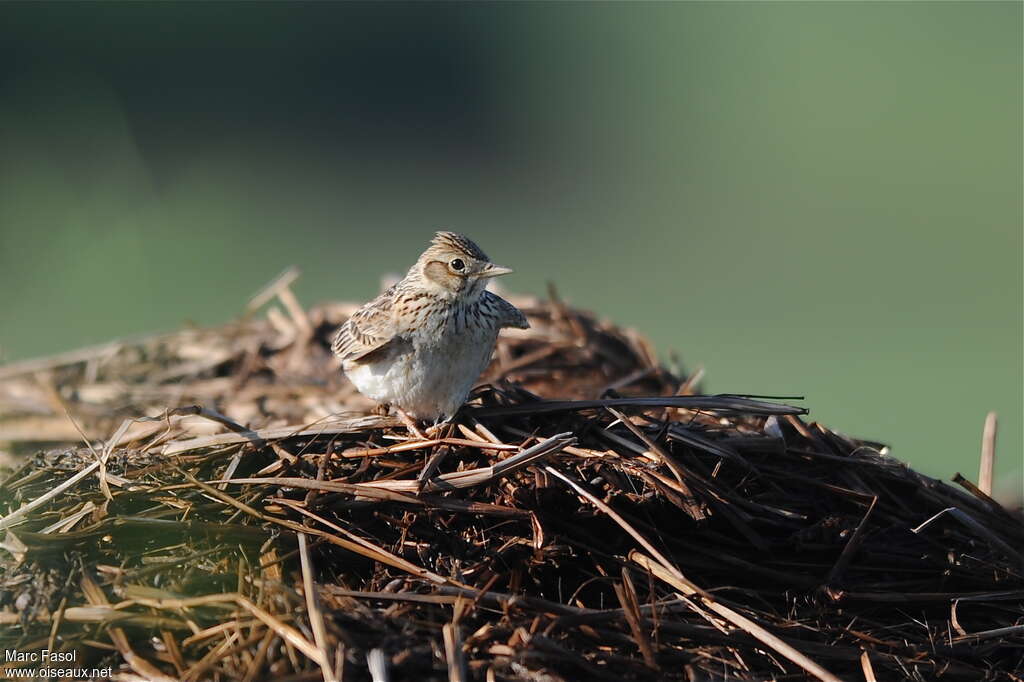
(618, 528)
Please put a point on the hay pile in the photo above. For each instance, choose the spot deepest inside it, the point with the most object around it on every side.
(621, 528)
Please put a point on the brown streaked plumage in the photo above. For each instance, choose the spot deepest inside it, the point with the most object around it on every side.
(421, 345)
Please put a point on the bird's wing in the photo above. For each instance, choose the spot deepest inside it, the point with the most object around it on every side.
(368, 329)
(508, 314)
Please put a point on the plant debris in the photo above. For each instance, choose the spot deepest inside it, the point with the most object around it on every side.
(220, 504)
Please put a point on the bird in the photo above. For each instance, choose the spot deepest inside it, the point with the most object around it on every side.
(421, 345)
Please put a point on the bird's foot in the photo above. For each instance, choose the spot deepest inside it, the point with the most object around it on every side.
(439, 427)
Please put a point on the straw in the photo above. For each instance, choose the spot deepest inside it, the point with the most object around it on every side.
(589, 514)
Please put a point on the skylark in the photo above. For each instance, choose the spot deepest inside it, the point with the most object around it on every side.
(421, 345)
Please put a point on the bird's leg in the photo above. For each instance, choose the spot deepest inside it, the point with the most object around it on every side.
(382, 409)
(410, 423)
(435, 429)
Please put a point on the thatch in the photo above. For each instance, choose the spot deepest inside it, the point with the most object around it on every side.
(587, 516)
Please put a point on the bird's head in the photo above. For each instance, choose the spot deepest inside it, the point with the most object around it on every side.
(454, 267)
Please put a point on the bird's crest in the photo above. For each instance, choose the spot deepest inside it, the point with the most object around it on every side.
(453, 241)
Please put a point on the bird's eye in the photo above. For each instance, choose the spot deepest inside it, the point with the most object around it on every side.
(457, 264)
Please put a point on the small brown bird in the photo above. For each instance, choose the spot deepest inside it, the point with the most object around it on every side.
(421, 345)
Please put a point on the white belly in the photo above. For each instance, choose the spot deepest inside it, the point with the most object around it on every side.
(430, 376)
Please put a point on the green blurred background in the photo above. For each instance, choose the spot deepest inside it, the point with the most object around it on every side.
(820, 199)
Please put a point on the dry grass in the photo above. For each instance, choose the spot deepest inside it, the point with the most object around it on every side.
(621, 528)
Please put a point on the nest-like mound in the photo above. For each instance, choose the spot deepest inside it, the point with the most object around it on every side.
(620, 527)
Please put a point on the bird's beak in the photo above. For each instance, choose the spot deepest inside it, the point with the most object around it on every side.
(492, 270)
